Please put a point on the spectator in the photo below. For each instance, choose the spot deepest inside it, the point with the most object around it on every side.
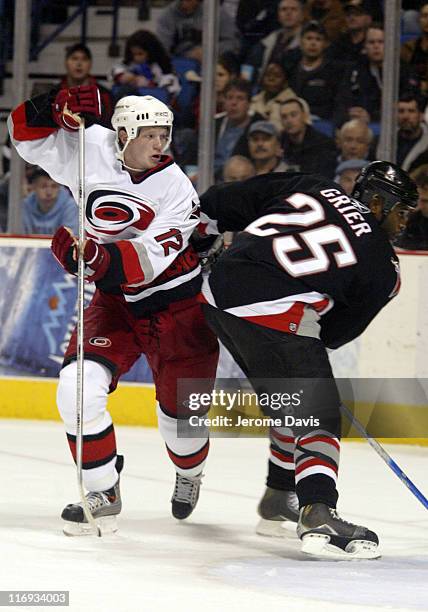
(48, 206)
(415, 52)
(415, 234)
(78, 64)
(146, 69)
(255, 20)
(227, 69)
(305, 149)
(274, 92)
(329, 13)
(347, 171)
(280, 46)
(265, 148)
(350, 45)
(359, 94)
(412, 139)
(314, 78)
(179, 28)
(354, 140)
(231, 127)
(238, 168)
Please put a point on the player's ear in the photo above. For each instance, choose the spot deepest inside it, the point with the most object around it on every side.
(123, 136)
(376, 206)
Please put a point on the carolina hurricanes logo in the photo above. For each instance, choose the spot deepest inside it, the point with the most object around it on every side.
(99, 341)
(110, 211)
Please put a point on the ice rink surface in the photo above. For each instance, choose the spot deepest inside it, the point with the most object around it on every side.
(214, 560)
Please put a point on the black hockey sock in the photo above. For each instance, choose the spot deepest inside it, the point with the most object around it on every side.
(280, 479)
(317, 488)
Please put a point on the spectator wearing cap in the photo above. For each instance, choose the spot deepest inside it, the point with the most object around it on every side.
(305, 149)
(314, 78)
(280, 46)
(350, 45)
(354, 140)
(48, 206)
(347, 171)
(78, 64)
(329, 13)
(265, 148)
(274, 92)
(415, 52)
(231, 127)
(415, 235)
(360, 91)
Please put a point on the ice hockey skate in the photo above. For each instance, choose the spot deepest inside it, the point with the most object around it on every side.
(279, 513)
(325, 534)
(186, 495)
(104, 506)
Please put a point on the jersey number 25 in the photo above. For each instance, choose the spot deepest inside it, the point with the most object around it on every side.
(315, 239)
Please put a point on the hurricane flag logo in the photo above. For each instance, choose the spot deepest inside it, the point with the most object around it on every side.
(111, 211)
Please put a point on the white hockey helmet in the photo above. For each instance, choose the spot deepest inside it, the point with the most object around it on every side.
(134, 112)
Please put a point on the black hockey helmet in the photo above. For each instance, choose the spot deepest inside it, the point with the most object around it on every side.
(390, 182)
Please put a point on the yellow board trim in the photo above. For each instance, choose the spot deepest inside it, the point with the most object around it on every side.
(32, 398)
(130, 404)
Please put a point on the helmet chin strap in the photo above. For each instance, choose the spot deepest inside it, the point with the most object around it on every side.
(132, 169)
(121, 158)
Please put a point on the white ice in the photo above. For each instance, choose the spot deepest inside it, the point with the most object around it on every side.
(214, 560)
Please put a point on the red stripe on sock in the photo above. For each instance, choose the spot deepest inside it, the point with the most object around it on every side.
(188, 462)
(325, 439)
(282, 457)
(95, 450)
(311, 462)
(278, 436)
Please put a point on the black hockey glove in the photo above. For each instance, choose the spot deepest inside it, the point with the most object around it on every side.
(209, 248)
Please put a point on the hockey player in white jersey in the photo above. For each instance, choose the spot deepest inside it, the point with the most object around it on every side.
(140, 213)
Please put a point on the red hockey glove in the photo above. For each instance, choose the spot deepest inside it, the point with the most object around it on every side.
(69, 102)
(97, 260)
(96, 257)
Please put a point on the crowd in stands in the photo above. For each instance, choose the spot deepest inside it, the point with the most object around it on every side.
(298, 87)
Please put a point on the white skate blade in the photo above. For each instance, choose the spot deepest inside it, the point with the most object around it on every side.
(107, 525)
(276, 529)
(318, 544)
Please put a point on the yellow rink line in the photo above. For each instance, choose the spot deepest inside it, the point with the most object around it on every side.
(130, 404)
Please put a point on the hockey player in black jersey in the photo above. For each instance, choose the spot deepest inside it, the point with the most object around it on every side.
(309, 271)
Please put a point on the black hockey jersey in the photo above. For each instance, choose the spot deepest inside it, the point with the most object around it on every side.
(307, 257)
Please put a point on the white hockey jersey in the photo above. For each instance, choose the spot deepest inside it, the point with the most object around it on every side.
(146, 221)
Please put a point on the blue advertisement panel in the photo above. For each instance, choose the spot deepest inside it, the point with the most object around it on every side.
(38, 311)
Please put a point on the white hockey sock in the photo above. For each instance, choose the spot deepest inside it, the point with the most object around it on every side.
(96, 418)
(187, 454)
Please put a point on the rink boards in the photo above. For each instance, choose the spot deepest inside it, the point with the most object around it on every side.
(37, 313)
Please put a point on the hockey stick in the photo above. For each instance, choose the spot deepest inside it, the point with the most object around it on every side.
(80, 309)
(385, 456)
